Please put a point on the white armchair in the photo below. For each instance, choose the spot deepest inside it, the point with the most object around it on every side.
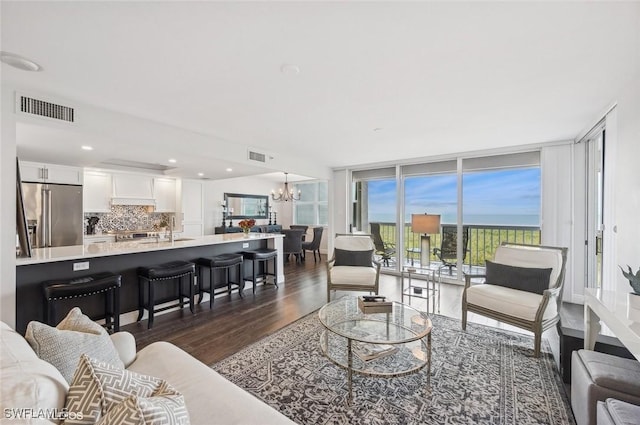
(523, 287)
(352, 266)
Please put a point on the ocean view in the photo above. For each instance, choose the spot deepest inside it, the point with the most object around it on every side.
(477, 219)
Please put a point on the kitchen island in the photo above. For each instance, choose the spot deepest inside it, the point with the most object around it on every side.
(122, 258)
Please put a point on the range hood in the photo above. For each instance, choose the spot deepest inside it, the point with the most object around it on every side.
(133, 201)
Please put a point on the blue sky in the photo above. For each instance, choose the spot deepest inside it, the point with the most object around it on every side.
(490, 197)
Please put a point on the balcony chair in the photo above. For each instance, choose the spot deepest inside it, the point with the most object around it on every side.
(352, 266)
(448, 251)
(314, 245)
(385, 250)
(522, 287)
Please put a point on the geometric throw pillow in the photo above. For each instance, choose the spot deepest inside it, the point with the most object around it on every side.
(345, 257)
(76, 334)
(522, 278)
(97, 388)
(162, 410)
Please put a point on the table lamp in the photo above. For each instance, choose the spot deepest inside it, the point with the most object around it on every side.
(426, 224)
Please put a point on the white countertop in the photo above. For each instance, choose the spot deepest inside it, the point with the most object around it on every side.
(91, 250)
(614, 309)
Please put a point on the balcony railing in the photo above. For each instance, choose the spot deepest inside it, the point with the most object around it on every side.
(483, 240)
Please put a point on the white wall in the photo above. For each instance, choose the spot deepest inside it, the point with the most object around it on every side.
(7, 210)
(214, 193)
(627, 181)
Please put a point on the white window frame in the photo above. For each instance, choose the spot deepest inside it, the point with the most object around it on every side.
(316, 203)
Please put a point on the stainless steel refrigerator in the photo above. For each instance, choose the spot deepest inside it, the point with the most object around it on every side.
(54, 214)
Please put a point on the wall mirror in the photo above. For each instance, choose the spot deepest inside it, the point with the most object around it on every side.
(240, 205)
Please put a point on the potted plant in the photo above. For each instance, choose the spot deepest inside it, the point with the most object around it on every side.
(633, 298)
(634, 280)
(246, 225)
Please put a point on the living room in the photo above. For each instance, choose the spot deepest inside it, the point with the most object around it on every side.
(330, 92)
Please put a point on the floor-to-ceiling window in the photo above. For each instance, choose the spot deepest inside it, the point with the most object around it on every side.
(432, 189)
(481, 202)
(375, 209)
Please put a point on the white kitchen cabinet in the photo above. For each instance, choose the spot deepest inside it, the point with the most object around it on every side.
(132, 189)
(164, 192)
(50, 173)
(192, 207)
(97, 192)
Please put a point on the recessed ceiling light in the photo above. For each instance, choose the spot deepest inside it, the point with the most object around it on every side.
(290, 69)
(19, 62)
(229, 170)
(173, 161)
(87, 148)
(377, 129)
(200, 174)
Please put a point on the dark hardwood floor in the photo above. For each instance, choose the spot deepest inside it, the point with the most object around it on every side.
(210, 335)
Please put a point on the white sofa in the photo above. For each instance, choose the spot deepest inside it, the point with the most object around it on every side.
(29, 382)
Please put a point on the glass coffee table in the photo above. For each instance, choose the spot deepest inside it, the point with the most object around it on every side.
(380, 344)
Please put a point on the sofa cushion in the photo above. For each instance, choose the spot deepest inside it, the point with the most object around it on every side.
(612, 372)
(511, 302)
(27, 381)
(76, 334)
(528, 279)
(160, 410)
(353, 258)
(98, 386)
(210, 398)
(617, 412)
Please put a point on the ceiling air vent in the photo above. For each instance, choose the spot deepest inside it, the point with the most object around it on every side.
(29, 105)
(257, 156)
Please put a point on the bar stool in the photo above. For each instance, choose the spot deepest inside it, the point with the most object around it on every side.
(107, 283)
(174, 271)
(262, 255)
(224, 262)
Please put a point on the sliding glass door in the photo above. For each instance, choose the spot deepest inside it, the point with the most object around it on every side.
(481, 202)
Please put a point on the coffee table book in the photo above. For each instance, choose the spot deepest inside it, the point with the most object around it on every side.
(377, 306)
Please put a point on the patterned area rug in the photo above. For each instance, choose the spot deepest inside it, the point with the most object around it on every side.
(481, 376)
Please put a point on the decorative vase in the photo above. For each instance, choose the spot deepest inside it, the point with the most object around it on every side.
(246, 231)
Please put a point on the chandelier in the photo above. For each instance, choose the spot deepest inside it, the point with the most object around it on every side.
(285, 194)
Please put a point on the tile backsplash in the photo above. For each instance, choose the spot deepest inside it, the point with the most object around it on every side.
(127, 217)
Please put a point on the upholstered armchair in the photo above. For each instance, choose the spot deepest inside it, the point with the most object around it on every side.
(522, 287)
(352, 266)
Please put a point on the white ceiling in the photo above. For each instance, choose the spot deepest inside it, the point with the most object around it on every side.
(435, 77)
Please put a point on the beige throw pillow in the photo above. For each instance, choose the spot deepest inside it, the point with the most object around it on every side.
(98, 389)
(76, 334)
